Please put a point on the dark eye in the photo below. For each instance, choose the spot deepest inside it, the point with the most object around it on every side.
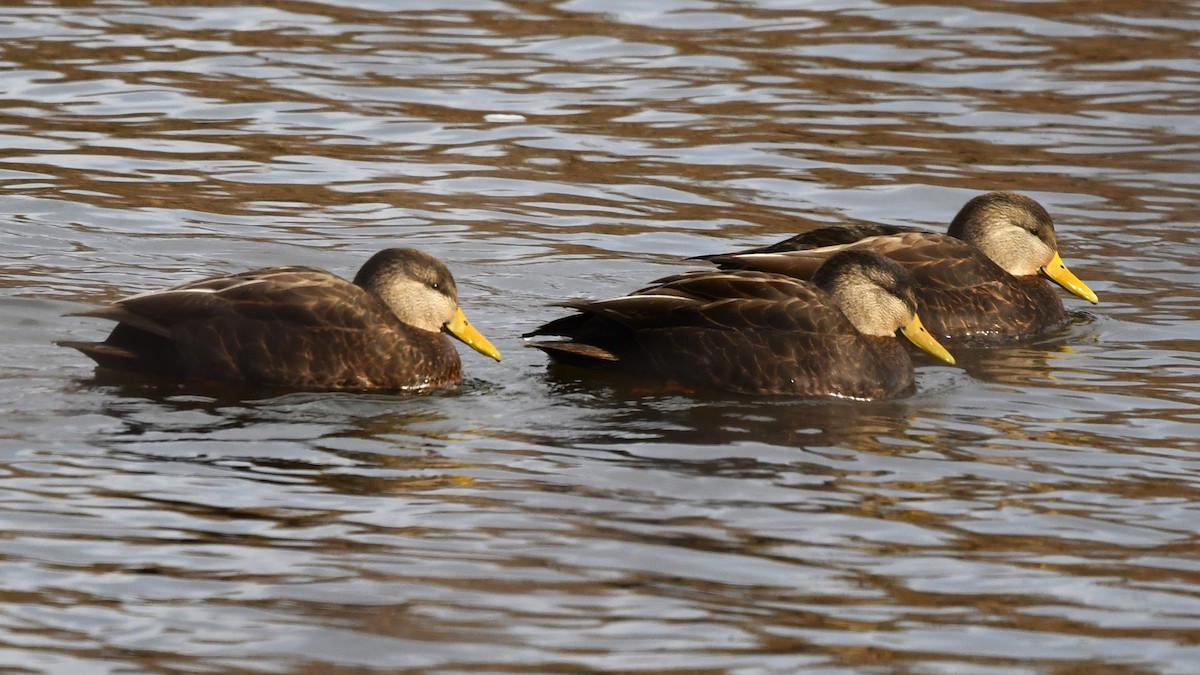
(435, 286)
(1033, 231)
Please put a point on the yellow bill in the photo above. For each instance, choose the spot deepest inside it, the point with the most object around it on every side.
(462, 329)
(916, 333)
(1062, 276)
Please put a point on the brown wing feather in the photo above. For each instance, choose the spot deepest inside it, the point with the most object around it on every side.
(292, 294)
(735, 300)
(938, 259)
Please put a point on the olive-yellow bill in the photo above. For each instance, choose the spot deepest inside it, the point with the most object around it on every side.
(1059, 274)
(462, 329)
(916, 333)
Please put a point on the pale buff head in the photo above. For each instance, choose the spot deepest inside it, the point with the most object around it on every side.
(876, 294)
(420, 291)
(1014, 231)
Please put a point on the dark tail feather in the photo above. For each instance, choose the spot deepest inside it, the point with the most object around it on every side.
(106, 355)
(832, 235)
(131, 349)
(575, 353)
(800, 266)
(567, 325)
(726, 261)
(583, 334)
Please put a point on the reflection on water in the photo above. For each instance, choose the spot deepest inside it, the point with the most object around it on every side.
(1039, 494)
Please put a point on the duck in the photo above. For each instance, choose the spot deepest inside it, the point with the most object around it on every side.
(298, 327)
(984, 281)
(753, 332)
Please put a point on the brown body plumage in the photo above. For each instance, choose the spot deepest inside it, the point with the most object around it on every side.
(983, 281)
(298, 327)
(754, 332)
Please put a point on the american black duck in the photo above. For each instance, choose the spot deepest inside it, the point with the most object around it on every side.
(298, 327)
(982, 281)
(757, 333)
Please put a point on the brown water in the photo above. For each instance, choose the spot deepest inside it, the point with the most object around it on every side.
(1034, 510)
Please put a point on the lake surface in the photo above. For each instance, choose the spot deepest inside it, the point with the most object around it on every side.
(1033, 510)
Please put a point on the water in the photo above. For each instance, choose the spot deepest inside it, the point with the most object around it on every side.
(1033, 510)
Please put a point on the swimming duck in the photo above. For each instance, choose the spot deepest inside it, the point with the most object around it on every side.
(756, 332)
(298, 327)
(982, 281)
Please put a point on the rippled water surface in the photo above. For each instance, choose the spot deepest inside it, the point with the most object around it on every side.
(1034, 509)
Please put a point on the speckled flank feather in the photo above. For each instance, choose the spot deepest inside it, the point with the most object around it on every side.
(745, 332)
(284, 326)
